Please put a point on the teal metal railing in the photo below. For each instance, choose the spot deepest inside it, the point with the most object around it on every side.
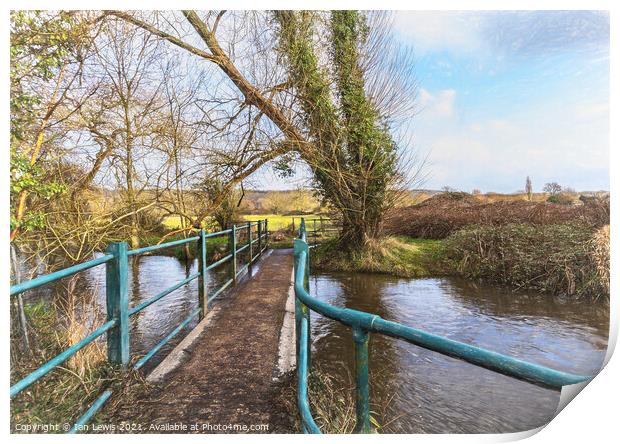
(317, 228)
(117, 299)
(363, 324)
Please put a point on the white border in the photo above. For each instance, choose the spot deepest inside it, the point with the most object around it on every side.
(590, 418)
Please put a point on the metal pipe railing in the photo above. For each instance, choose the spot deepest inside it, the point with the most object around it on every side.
(117, 301)
(363, 324)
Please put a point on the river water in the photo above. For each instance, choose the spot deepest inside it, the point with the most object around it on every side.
(414, 390)
(147, 276)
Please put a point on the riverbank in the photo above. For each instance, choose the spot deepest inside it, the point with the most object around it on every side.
(569, 259)
(395, 255)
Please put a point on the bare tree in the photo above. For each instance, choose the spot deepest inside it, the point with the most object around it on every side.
(552, 188)
(271, 100)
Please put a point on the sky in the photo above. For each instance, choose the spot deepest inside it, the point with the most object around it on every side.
(503, 95)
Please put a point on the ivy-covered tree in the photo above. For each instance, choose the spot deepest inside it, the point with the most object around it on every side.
(330, 84)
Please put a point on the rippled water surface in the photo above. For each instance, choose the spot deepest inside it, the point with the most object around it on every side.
(419, 391)
(413, 390)
(148, 276)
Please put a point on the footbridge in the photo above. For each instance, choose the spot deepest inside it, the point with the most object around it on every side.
(250, 330)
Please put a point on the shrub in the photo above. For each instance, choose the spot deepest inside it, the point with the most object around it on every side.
(561, 199)
(560, 258)
(444, 214)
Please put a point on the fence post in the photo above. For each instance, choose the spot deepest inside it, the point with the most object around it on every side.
(362, 409)
(293, 225)
(266, 232)
(117, 304)
(314, 231)
(202, 269)
(260, 235)
(233, 245)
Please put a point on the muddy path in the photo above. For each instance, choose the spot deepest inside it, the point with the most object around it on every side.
(228, 380)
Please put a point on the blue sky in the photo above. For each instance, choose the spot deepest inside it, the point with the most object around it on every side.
(503, 95)
(509, 94)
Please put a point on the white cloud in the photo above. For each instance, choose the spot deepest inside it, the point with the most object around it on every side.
(440, 30)
(440, 104)
(553, 142)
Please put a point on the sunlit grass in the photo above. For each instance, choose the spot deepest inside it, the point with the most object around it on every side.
(275, 221)
(399, 256)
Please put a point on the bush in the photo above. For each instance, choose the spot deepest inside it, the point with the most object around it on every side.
(561, 199)
(566, 259)
(444, 214)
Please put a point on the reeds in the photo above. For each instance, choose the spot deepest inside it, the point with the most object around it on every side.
(64, 394)
(570, 259)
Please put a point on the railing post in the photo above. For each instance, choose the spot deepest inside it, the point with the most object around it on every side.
(250, 243)
(266, 232)
(301, 311)
(293, 225)
(117, 304)
(362, 409)
(306, 310)
(233, 245)
(260, 235)
(202, 269)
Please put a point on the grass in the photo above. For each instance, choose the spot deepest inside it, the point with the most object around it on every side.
(275, 221)
(65, 393)
(216, 246)
(332, 402)
(397, 255)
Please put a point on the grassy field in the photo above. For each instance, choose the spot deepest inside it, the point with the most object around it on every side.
(275, 221)
(278, 222)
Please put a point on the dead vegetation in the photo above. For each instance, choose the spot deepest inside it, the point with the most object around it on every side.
(446, 213)
(570, 259)
(599, 251)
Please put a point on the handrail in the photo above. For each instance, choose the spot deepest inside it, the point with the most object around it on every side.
(363, 323)
(51, 277)
(59, 359)
(117, 301)
(164, 293)
(162, 246)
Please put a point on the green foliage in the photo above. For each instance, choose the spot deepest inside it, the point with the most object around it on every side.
(353, 156)
(40, 42)
(32, 179)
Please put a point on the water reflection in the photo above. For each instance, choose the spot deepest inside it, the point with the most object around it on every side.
(436, 394)
(148, 276)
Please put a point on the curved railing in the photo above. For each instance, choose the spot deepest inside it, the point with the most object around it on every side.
(117, 299)
(363, 324)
